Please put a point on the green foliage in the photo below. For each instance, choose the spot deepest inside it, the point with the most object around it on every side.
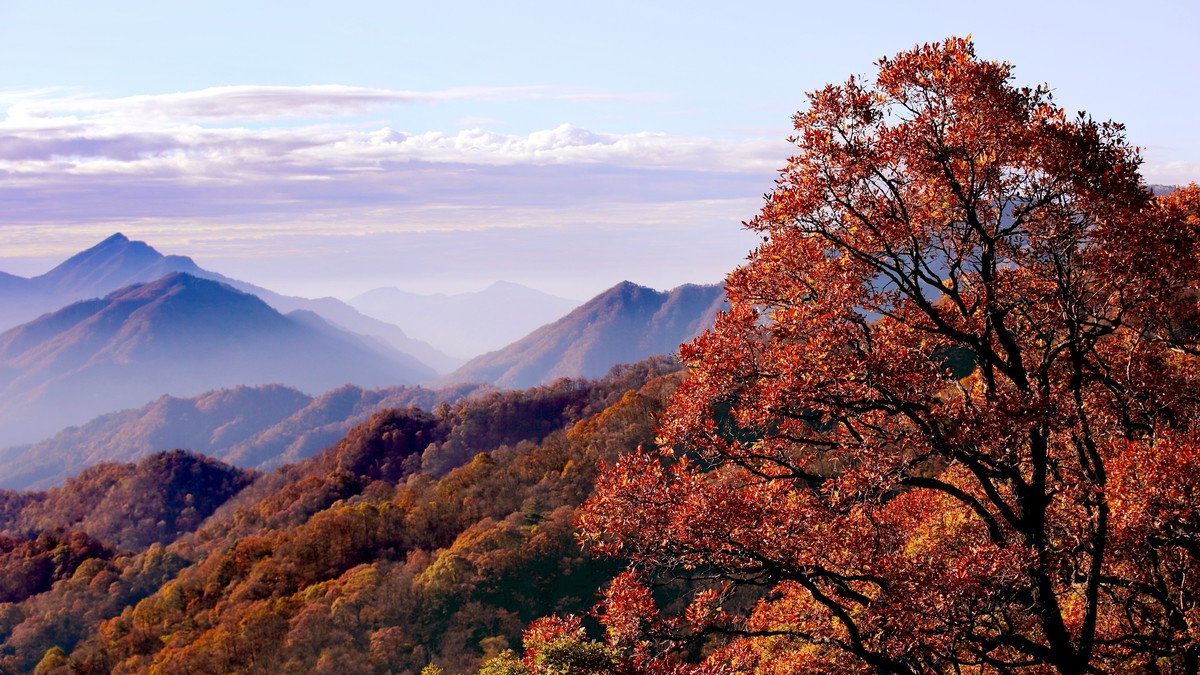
(55, 661)
(505, 663)
(576, 657)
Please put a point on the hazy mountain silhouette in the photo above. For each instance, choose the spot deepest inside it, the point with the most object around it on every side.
(178, 335)
(252, 427)
(342, 314)
(327, 418)
(204, 423)
(624, 324)
(466, 324)
(114, 263)
(118, 262)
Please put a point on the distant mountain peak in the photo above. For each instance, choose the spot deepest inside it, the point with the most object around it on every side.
(466, 323)
(502, 285)
(626, 286)
(116, 262)
(626, 291)
(117, 245)
(178, 334)
(116, 238)
(187, 279)
(626, 323)
(199, 291)
(119, 263)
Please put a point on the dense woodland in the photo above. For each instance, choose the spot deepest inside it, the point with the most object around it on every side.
(420, 538)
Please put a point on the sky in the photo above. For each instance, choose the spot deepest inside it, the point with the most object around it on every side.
(327, 148)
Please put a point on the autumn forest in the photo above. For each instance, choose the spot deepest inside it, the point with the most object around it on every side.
(946, 421)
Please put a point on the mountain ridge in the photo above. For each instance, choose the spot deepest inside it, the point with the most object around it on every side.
(623, 324)
(252, 427)
(118, 262)
(180, 334)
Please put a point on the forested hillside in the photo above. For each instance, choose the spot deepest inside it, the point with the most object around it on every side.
(420, 538)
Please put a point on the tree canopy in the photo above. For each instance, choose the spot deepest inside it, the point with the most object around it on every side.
(951, 416)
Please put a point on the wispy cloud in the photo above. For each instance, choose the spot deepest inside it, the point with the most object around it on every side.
(66, 158)
(254, 102)
(263, 177)
(265, 181)
(1168, 171)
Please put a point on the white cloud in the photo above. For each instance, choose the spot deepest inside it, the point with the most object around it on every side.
(1170, 172)
(66, 158)
(256, 102)
(43, 125)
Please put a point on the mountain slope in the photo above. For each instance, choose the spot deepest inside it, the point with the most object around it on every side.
(118, 262)
(177, 335)
(326, 419)
(252, 427)
(623, 324)
(206, 423)
(466, 324)
(341, 314)
(111, 264)
(132, 505)
(355, 560)
(114, 263)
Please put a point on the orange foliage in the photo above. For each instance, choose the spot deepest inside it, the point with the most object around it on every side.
(358, 560)
(951, 416)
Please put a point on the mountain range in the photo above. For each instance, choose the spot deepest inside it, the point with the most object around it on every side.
(118, 262)
(187, 332)
(177, 335)
(252, 427)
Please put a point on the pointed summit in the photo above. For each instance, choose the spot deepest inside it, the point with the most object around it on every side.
(119, 262)
(179, 334)
(624, 324)
(113, 240)
(114, 263)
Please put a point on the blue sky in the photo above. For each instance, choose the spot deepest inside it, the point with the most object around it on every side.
(328, 148)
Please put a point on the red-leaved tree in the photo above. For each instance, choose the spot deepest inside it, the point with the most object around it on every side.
(952, 416)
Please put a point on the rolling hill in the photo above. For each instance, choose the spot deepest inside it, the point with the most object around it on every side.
(359, 559)
(252, 427)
